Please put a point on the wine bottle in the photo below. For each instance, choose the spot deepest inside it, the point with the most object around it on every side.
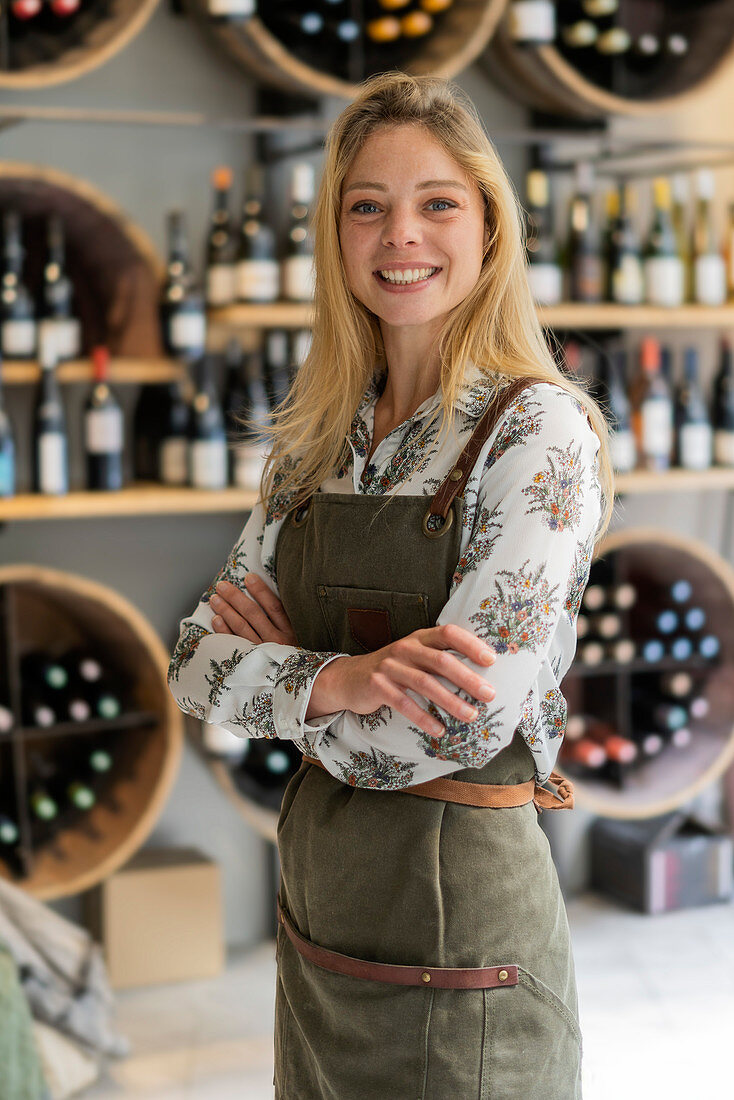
(622, 446)
(7, 448)
(257, 271)
(270, 762)
(104, 699)
(678, 685)
(42, 804)
(173, 439)
(6, 720)
(723, 408)
(591, 653)
(277, 366)
(38, 669)
(81, 666)
(623, 651)
(681, 590)
(247, 408)
(616, 747)
(297, 269)
(99, 761)
(81, 796)
(626, 278)
(652, 411)
(222, 743)
(606, 625)
(681, 648)
(594, 597)
(531, 22)
(219, 260)
(663, 264)
(693, 427)
(709, 646)
(103, 429)
(51, 469)
(709, 269)
(182, 305)
(679, 188)
(207, 438)
(544, 269)
(729, 252)
(584, 258)
(652, 650)
(584, 752)
(18, 333)
(37, 710)
(57, 296)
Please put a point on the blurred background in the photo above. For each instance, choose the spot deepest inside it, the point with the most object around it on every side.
(158, 164)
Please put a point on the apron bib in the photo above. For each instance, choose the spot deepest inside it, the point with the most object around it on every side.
(419, 883)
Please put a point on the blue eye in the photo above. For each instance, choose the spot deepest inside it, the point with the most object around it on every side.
(366, 202)
(447, 205)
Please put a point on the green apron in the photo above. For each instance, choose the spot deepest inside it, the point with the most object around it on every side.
(386, 876)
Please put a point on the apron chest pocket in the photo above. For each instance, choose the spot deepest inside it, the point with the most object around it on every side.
(361, 620)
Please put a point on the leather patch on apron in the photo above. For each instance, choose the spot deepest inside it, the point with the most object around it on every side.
(370, 627)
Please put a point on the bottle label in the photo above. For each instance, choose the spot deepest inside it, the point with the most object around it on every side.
(546, 283)
(587, 279)
(52, 470)
(65, 332)
(532, 21)
(18, 338)
(724, 448)
(7, 473)
(709, 280)
(173, 460)
(103, 431)
(627, 281)
(232, 9)
(187, 331)
(258, 281)
(209, 464)
(298, 278)
(664, 280)
(657, 428)
(247, 467)
(220, 284)
(623, 451)
(695, 442)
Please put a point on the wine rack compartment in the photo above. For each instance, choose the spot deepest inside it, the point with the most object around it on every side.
(651, 692)
(40, 46)
(79, 792)
(580, 81)
(113, 266)
(280, 50)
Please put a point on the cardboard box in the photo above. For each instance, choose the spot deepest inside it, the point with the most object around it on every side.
(159, 918)
(675, 861)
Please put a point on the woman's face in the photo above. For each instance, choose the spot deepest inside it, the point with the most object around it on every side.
(412, 227)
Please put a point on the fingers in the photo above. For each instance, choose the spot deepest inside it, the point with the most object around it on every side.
(266, 598)
(242, 613)
(453, 636)
(425, 684)
(446, 664)
(228, 621)
(403, 704)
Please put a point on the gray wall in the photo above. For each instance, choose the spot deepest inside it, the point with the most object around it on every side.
(163, 564)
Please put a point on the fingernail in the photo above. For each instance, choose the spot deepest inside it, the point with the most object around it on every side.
(222, 586)
(216, 602)
(249, 577)
(217, 620)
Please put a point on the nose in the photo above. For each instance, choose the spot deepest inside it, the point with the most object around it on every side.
(400, 228)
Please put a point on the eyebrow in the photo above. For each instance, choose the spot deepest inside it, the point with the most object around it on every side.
(367, 186)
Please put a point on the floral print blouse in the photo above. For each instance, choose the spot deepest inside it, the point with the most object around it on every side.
(532, 509)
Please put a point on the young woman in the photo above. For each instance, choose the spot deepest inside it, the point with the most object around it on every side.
(402, 605)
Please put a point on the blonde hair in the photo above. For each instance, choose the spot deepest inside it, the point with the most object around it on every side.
(496, 326)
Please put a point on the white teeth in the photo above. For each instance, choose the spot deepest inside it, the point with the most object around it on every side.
(412, 276)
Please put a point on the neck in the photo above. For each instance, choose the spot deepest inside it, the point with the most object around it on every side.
(413, 369)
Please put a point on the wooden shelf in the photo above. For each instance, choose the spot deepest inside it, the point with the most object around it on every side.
(267, 315)
(607, 315)
(568, 315)
(131, 721)
(140, 499)
(21, 373)
(151, 499)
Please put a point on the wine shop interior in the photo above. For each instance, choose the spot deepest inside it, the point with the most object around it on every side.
(159, 165)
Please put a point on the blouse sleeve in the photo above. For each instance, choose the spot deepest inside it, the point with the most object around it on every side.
(517, 585)
(253, 689)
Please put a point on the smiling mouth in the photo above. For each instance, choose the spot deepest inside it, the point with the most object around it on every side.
(405, 278)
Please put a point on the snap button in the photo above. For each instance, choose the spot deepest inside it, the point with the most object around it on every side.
(502, 975)
(426, 977)
(456, 474)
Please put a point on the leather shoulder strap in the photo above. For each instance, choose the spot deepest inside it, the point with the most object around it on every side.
(454, 482)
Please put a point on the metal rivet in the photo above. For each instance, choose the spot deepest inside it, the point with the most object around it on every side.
(456, 474)
(426, 977)
(322, 590)
(503, 975)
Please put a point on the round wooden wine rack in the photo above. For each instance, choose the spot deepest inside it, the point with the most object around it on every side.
(114, 268)
(47, 610)
(548, 77)
(459, 35)
(62, 50)
(652, 561)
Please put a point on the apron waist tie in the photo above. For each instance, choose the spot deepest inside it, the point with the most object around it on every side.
(454, 977)
(496, 796)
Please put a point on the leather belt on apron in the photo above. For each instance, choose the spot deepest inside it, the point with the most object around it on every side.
(446, 977)
(496, 796)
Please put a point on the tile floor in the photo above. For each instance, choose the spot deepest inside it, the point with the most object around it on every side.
(656, 998)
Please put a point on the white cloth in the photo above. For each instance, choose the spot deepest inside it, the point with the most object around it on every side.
(532, 509)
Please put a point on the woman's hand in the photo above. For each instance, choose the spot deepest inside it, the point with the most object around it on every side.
(366, 682)
(257, 614)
